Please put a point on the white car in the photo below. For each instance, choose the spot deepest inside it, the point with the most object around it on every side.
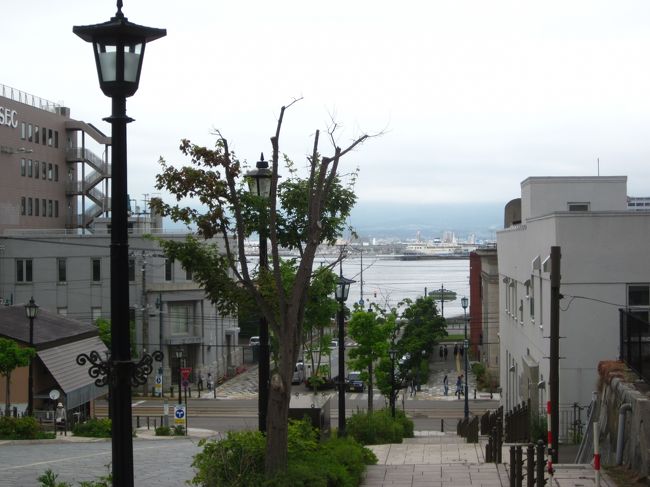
(254, 341)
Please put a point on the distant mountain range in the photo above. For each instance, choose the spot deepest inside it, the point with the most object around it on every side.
(403, 221)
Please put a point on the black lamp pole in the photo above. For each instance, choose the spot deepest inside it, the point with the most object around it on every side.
(342, 291)
(179, 356)
(31, 310)
(392, 353)
(464, 303)
(259, 181)
(119, 47)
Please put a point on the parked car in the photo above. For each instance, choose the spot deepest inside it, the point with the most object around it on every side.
(254, 341)
(353, 382)
(334, 344)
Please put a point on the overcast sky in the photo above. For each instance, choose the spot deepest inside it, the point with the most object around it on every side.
(473, 96)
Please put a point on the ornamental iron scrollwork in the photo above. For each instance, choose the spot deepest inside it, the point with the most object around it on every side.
(102, 369)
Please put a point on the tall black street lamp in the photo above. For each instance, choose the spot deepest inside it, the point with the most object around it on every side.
(179, 356)
(463, 303)
(392, 353)
(342, 291)
(31, 310)
(119, 47)
(259, 184)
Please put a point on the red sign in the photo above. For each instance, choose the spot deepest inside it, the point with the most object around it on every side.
(185, 372)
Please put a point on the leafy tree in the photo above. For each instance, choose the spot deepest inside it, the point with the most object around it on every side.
(301, 213)
(104, 327)
(12, 356)
(371, 331)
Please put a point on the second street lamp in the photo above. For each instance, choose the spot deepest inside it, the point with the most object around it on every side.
(259, 184)
(179, 356)
(342, 291)
(31, 310)
(464, 303)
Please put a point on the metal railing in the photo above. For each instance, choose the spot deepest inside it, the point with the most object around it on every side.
(635, 342)
(28, 99)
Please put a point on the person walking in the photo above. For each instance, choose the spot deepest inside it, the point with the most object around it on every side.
(412, 383)
(461, 350)
(441, 352)
(455, 349)
(445, 384)
(446, 352)
(209, 381)
(459, 386)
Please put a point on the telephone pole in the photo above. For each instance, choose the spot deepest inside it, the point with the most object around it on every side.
(554, 379)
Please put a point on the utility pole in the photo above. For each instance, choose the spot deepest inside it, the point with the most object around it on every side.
(361, 302)
(554, 379)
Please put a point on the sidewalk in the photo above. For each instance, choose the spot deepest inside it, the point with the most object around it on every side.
(434, 459)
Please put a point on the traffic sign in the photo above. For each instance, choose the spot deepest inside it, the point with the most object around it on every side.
(179, 414)
(186, 383)
(158, 385)
(185, 372)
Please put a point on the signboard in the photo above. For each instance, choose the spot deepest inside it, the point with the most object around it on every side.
(186, 384)
(157, 391)
(185, 372)
(179, 414)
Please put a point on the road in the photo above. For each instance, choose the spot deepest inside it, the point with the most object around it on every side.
(239, 414)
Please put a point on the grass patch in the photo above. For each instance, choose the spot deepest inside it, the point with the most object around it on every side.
(453, 338)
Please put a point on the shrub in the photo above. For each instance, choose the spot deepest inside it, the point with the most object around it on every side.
(93, 428)
(25, 428)
(179, 430)
(163, 431)
(48, 479)
(379, 427)
(238, 460)
(538, 428)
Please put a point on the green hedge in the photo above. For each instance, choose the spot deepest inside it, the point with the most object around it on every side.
(238, 460)
(25, 428)
(379, 427)
(93, 428)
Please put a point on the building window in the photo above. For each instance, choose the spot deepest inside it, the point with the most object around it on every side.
(531, 298)
(95, 313)
(24, 270)
(638, 300)
(30, 132)
(49, 208)
(23, 204)
(61, 270)
(36, 135)
(56, 139)
(22, 167)
(37, 173)
(62, 311)
(131, 270)
(49, 171)
(29, 168)
(180, 316)
(578, 206)
(96, 265)
(49, 137)
(44, 136)
(169, 267)
(56, 208)
(56, 172)
(22, 130)
(44, 170)
(30, 210)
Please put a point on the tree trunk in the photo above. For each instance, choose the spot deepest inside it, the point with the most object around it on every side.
(278, 408)
(8, 395)
(370, 389)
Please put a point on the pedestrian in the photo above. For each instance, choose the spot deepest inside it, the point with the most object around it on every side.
(209, 381)
(441, 352)
(461, 350)
(445, 384)
(446, 352)
(459, 386)
(412, 386)
(199, 382)
(455, 349)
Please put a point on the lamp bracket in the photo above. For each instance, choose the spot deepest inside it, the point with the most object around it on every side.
(102, 369)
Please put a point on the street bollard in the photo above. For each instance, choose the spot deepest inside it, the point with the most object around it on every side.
(519, 470)
(513, 467)
(540, 463)
(475, 393)
(137, 421)
(442, 425)
(530, 465)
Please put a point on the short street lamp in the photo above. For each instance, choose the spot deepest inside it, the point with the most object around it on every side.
(179, 356)
(118, 46)
(341, 294)
(259, 184)
(392, 353)
(31, 310)
(464, 303)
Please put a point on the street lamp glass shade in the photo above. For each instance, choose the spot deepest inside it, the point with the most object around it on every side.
(463, 302)
(118, 46)
(31, 309)
(343, 288)
(259, 179)
(392, 353)
(179, 353)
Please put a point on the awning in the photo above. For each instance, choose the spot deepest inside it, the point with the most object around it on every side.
(77, 385)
